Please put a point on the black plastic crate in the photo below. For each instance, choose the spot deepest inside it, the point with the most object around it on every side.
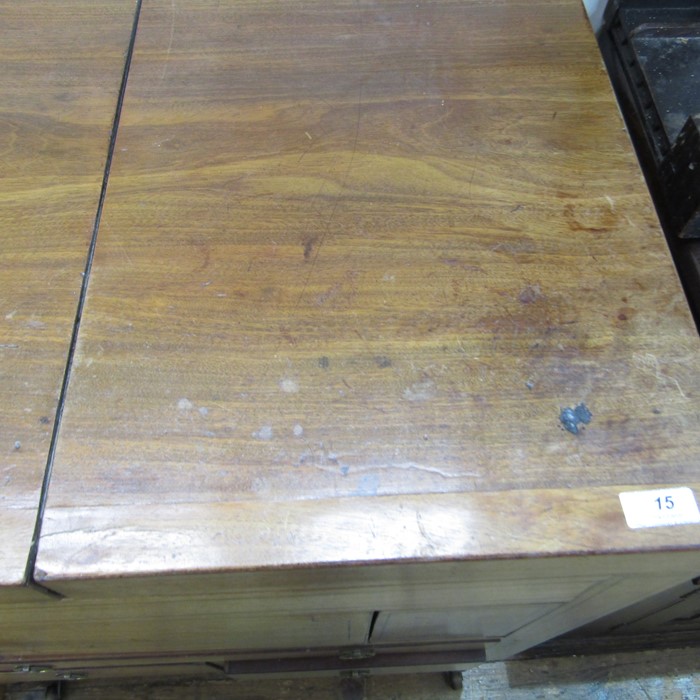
(652, 51)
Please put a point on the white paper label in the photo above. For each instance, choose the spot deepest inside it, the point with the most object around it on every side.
(660, 507)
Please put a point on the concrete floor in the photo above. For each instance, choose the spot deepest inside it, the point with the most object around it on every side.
(672, 674)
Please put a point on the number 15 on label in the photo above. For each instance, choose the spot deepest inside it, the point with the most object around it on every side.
(676, 506)
(668, 503)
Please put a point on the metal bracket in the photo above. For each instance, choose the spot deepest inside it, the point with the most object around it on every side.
(357, 654)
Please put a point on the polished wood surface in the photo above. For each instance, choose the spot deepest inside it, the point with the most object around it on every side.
(354, 261)
(60, 71)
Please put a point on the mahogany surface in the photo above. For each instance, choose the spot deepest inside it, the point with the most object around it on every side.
(356, 255)
(60, 69)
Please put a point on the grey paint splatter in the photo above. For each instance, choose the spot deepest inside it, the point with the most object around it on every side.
(368, 485)
(572, 418)
(265, 433)
(420, 391)
(289, 386)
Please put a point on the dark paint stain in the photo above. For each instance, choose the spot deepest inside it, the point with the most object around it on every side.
(309, 244)
(44, 420)
(382, 362)
(572, 418)
(456, 262)
(324, 362)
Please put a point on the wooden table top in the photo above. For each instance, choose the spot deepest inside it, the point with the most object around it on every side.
(355, 259)
(60, 71)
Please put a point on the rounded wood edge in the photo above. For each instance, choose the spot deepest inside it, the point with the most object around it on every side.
(123, 541)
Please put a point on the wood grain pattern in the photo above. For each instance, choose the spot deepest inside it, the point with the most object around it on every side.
(60, 70)
(354, 250)
(105, 541)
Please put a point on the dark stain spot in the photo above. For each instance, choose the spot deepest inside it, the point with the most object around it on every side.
(332, 293)
(530, 294)
(457, 262)
(309, 244)
(324, 362)
(592, 219)
(656, 411)
(625, 313)
(269, 294)
(286, 335)
(204, 252)
(44, 420)
(383, 362)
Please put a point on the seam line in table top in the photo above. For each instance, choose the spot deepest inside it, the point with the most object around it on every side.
(30, 580)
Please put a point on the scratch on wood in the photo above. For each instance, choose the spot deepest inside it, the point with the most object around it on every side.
(649, 364)
(327, 225)
(422, 530)
(170, 42)
(471, 183)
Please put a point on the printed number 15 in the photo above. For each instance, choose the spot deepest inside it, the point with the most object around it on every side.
(666, 503)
